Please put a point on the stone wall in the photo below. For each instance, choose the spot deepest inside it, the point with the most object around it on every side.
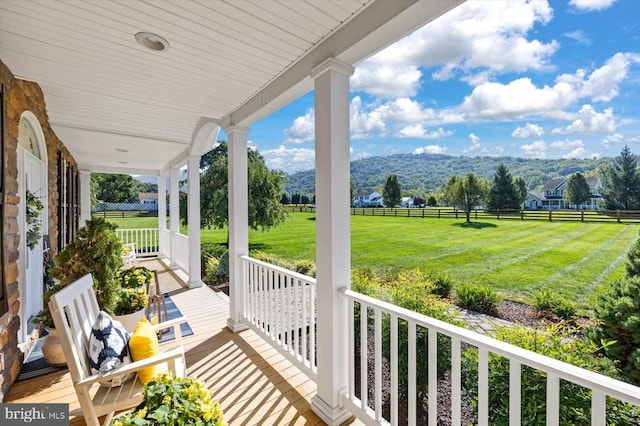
(20, 96)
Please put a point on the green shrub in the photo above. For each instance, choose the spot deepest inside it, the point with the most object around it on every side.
(477, 298)
(545, 300)
(208, 250)
(632, 265)
(556, 341)
(304, 266)
(618, 309)
(223, 267)
(211, 276)
(442, 285)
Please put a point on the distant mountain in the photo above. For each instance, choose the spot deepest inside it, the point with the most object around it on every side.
(425, 173)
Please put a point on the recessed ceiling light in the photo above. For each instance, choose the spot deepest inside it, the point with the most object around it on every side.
(152, 41)
(122, 150)
(122, 162)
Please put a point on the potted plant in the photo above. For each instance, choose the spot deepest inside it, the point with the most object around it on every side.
(51, 347)
(130, 306)
(96, 250)
(137, 276)
(175, 401)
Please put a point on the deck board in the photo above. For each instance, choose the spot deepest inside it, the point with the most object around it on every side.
(252, 381)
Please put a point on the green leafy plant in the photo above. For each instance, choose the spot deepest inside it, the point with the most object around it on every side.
(618, 310)
(479, 298)
(632, 265)
(545, 300)
(223, 267)
(43, 317)
(556, 341)
(211, 272)
(96, 250)
(130, 300)
(134, 277)
(172, 400)
(34, 224)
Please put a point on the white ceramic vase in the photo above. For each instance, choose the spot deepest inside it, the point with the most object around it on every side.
(52, 349)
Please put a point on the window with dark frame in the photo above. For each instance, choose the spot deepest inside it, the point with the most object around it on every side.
(3, 290)
(68, 202)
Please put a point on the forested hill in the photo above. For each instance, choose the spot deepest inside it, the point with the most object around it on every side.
(425, 173)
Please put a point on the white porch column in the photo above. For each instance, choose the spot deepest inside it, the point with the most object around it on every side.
(333, 240)
(193, 212)
(85, 196)
(162, 216)
(174, 213)
(238, 222)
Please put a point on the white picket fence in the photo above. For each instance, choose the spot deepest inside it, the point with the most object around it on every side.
(146, 240)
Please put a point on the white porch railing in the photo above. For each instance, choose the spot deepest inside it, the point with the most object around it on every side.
(370, 412)
(180, 250)
(165, 242)
(146, 240)
(280, 305)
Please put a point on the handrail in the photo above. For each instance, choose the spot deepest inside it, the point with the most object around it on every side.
(602, 386)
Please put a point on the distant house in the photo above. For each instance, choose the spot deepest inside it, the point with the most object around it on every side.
(148, 198)
(372, 200)
(553, 195)
(533, 201)
(406, 202)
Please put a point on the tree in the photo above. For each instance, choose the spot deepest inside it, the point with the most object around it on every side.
(112, 188)
(522, 190)
(419, 200)
(576, 190)
(621, 182)
(504, 193)
(432, 201)
(265, 190)
(466, 193)
(286, 199)
(392, 191)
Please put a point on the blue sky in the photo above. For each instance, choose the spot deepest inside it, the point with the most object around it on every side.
(530, 79)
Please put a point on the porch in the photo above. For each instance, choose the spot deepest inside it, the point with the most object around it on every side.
(253, 382)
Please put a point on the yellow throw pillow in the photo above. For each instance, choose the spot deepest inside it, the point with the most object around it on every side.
(144, 344)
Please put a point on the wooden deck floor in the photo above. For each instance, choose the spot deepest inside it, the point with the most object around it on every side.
(254, 383)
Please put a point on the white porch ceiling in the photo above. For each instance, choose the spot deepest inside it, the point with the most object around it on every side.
(231, 61)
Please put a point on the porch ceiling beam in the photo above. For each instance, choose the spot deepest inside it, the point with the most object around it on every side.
(117, 170)
(147, 138)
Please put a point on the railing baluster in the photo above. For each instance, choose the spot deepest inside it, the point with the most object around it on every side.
(350, 350)
(483, 387)
(312, 327)
(598, 407)
(412, 373)
(553, 399)
(305, 322)
(272, 304)
(515, 390)
(394, 369)
(456, 386)
(261, 300)
(433, 377)
(282, 327)
(364, 391)
(378, 363)
(296, 318)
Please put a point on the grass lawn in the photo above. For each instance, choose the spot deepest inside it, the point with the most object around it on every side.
(514, 257)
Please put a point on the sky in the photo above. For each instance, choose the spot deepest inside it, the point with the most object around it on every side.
(529, 79)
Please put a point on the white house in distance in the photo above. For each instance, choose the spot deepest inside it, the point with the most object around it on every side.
(148, 198)
(372, 200)
(406, 202)
(553, 196)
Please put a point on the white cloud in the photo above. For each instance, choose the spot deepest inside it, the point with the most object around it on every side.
(528, 130)
(537, 149)
(578, 36)
(386, 79)
(590, 121)
(365, 124)
(520, 98)
(474, 144)
(431, 149)
(289, 159)
(635, 139)
(418, 131)
(591, 5)
(567, 144)
(576, 153)
(603, 83)
(495, 151)
(302, 130)
(613, 139)
(482, 38)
